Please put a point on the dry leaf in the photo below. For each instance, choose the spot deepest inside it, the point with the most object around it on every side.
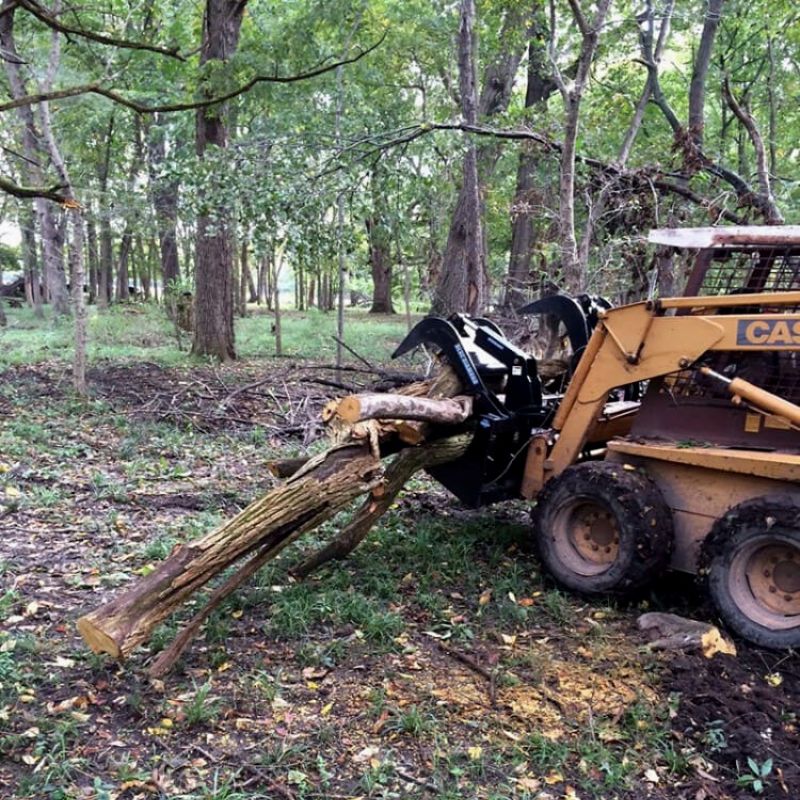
(712, 642)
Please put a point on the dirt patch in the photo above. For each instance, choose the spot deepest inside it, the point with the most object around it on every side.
(732, 709)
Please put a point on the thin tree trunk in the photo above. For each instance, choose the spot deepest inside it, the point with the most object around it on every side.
(697, 87)
(572, 95)
(213, 330)
(91, 252)
(74, 221)
(105, 281)
(277, 264)
(539, 89)
(652, 48)
(35, 150)
(164, 192)
(244, 275)
(462, 285)
(33, 287)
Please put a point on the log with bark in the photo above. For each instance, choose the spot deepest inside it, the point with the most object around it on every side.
(314, 491)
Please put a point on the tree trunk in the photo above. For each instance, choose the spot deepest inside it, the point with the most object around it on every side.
(652, 49)
(379, 249)
(697, 88)
(213, 332)
(36, 152)
(91, 252)
(122, 291)
(277, 262)
(539, 89)
(462, 283)
(772, 214)
(74, 221)
(33, 286)
(105, 280)
(244, 276)
(573, 272)
(164, 192)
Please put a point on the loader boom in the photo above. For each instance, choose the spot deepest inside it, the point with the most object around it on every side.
(640, 341)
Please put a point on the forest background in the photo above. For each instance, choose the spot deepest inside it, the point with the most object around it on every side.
(413, 155)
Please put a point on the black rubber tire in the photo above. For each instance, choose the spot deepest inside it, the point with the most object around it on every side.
(764, 522)
(634, 505)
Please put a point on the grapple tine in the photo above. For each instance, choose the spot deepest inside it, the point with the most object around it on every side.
(443, 334)
(569, 311)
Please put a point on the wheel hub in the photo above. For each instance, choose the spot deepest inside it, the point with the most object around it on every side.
(772, 575)
(594, 533)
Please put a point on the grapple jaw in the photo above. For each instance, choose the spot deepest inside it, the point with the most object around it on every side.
(509, 406)
(578, 314)
(486, 363)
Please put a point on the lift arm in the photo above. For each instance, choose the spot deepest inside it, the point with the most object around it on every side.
(636, 343)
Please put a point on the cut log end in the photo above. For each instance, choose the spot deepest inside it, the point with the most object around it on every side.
(98, 641)
(349, 408)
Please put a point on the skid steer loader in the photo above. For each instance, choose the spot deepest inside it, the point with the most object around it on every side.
(676, 442)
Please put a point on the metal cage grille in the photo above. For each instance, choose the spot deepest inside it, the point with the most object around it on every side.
(745, 271)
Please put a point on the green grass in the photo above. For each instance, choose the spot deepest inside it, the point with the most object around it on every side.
(143, 332)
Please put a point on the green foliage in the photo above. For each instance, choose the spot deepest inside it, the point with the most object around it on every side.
(755, 778)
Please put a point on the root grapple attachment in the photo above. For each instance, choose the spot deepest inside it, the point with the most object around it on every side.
(510, 406)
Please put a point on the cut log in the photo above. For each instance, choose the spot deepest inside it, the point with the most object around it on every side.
(312, 495)
(286, 467)
(448, 411)
(405, 465)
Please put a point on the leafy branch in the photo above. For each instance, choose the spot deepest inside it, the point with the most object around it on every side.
(146, 108)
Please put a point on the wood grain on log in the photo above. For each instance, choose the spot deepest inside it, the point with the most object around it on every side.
(397, 474)
(312, 495)
(445, 411)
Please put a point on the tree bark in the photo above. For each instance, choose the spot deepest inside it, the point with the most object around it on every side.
(313, 495)
(213, 332)
(462, 283)
(164, 192)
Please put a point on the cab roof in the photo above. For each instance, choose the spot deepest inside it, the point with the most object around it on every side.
(727, 236)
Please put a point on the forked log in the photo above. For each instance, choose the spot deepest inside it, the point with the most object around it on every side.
(315, 490)
(398, 473)
(378, 501)
(312, 495)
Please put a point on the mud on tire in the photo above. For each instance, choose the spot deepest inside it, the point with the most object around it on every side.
(603, 528)
(751, 563)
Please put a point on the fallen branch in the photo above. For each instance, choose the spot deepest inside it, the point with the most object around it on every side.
(330, 481)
